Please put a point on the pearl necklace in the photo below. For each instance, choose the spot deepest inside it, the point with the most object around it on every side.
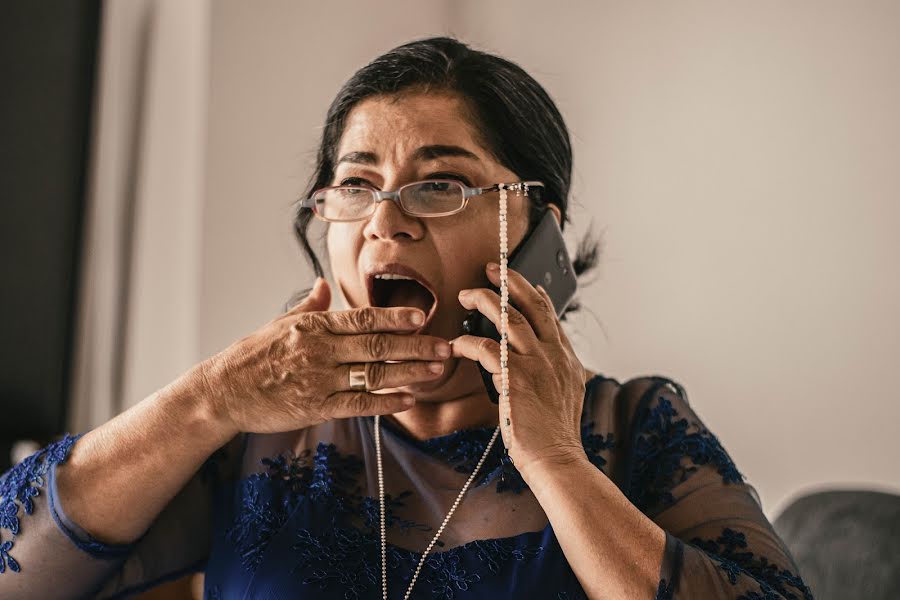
(504, 395)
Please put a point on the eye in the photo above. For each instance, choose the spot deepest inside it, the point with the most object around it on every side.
(456, 177)
(359, 181)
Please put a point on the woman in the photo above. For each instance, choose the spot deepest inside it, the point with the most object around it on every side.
(261, 465)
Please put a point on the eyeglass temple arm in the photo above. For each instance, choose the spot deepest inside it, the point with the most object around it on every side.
(510, 186)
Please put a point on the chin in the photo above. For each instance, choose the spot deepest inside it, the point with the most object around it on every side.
(434, 384)
(450, 367)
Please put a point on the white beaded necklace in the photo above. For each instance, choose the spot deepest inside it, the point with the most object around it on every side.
(504, 395)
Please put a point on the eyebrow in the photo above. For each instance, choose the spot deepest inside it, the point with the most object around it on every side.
(421, 154)
(363, 158)
(440, 151)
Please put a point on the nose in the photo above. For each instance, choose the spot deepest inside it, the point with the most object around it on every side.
(389, 223)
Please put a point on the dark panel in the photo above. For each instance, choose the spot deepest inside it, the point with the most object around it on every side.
(47, 62)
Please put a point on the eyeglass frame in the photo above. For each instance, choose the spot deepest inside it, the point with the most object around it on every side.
(381, 195)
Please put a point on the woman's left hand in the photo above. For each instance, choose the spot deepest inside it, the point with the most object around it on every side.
(541, 421)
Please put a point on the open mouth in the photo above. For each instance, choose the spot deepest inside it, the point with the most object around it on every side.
(388, 289)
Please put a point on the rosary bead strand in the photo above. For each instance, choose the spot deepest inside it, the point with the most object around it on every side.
(504, 394)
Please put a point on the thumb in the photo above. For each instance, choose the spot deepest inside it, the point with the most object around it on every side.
(319, 298)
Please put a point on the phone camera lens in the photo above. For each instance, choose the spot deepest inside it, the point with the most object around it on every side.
(561, 258)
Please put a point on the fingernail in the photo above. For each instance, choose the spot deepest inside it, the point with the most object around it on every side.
(435, 367)
(442, 349)
(416, 317)
(492, 266)
(463, 293)
(409, 400)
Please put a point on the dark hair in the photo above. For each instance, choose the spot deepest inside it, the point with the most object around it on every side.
(518, 122)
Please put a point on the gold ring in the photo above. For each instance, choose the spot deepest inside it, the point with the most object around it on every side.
(358, 378)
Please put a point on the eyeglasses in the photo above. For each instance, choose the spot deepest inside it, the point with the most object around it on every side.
(429, 198)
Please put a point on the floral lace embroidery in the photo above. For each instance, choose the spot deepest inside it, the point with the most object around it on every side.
(344, 554)
(661, 444)
(340, 559)
(256, 525)
(595, 443)
(372, 513)
(6, 559)
(347, 556)
(22, 483)
(464, 448)
(734, 562)
(326, 477)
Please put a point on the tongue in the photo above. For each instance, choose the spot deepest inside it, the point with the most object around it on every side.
(409, 293)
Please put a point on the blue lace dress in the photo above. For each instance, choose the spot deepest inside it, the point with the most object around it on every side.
(295, 515)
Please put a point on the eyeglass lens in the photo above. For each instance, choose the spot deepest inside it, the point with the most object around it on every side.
(423, 198)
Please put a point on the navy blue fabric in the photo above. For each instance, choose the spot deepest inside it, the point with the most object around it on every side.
(296, 515)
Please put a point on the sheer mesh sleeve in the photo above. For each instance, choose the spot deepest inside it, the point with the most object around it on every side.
(44, 554)
(719, 543)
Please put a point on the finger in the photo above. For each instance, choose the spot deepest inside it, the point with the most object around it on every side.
(480, 349)
(540, 315)
(564, 338)
(380, 375)
(377, 347)
(296, 299)
(318, 298)
(487, 302)
(497, 379)
(366, 319)
(344, 405)
(548, 303)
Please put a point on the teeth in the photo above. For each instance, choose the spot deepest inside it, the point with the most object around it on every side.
(391, 276)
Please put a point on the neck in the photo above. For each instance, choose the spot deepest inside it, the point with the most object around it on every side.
(459, 402)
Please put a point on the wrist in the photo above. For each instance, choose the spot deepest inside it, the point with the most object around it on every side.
(551, 463)
(192, 399)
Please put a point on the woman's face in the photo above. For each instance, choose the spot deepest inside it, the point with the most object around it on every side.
(389, 141)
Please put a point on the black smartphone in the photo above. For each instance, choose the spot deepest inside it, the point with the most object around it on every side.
(542, 258)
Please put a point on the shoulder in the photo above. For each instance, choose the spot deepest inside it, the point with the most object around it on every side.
(624, 402)
(666, 443)
(615, 413)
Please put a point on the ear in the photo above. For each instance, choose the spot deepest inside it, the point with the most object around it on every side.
(556, 212)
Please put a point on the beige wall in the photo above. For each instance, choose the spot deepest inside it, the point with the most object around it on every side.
(741, 160)
(141, 262)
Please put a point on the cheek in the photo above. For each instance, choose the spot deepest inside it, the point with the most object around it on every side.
(473, 239)
(343, 248)
(482, 227)
(469, 240)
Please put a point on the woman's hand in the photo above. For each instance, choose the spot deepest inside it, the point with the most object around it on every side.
(541, 421)
(294, 371)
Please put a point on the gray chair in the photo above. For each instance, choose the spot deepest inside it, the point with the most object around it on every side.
(846, 543)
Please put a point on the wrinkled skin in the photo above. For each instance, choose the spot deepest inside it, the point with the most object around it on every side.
(451, 252)
(294, 371)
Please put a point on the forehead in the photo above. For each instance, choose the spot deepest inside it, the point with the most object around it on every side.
(393, 127)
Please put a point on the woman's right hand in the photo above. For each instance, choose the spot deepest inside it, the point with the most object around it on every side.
(294, 371)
